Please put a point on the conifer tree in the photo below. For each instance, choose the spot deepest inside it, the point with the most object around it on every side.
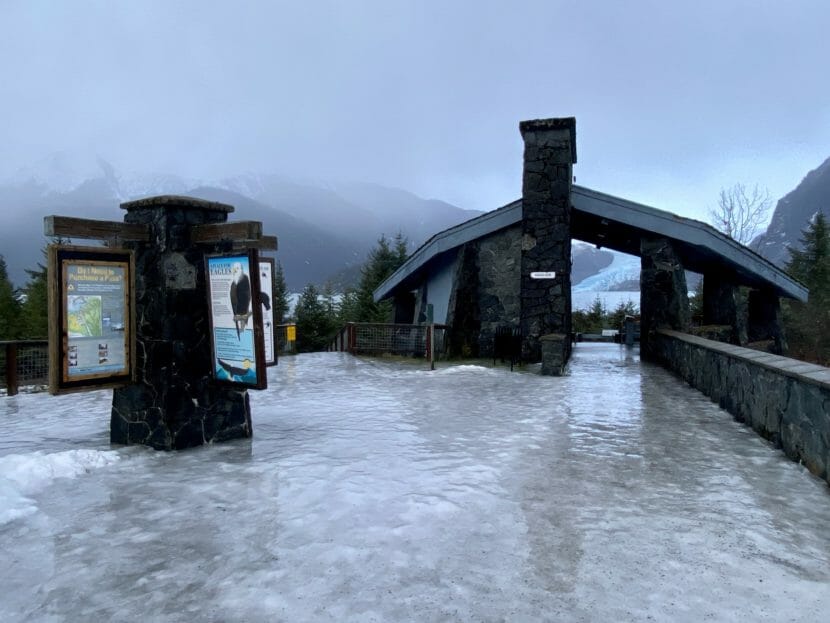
(34, 313)
(808, 324)
(9, 307)
(279, 295)
(315, 325)
(359, 305)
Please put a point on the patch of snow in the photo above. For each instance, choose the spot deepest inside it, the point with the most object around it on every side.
(25, 474)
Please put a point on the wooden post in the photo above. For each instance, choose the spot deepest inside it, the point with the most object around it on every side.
(11, 369)
(431, 346)
(629, 331)
(352, 338)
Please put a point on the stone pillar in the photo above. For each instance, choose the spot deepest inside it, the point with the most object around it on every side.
(764, 320)
(463, 312)
(553, 351)
(175, 403)
(549, 156)
(664, 299)
(720, 306)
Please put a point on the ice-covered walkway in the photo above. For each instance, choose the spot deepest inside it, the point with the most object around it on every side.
(378, 491)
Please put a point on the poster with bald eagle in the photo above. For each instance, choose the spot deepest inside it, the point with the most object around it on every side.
(236, 319)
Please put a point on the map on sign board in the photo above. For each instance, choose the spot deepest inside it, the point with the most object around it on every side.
(95, 308)
(90, 317)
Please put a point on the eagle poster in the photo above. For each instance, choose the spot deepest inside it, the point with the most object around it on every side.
(236, 319)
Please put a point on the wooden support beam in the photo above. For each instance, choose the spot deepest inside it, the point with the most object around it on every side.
(266, 243)
(235, 232)
(70, 227)
(11, 369)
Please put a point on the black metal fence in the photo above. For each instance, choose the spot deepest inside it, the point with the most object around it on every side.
(23, 364)
(507, 345)
(359, 338)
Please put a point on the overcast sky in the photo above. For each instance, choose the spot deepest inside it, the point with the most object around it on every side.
(672, 103)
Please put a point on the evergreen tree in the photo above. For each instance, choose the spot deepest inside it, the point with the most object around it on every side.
(383, 260)
(596, 315)
(808, 324)
(348, 310)
(329, 302)
(279, 293)
(9, 307)
(315, 325)
(811, 265)
(34, 316)
(616, 318)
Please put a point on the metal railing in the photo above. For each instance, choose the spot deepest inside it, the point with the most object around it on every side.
(23, 363)
(362, 338)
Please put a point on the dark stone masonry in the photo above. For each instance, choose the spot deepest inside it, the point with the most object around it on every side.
(549, 156)
(499, 266)
(487, 293)
(175, 403)
(784, 400)
(664, 300)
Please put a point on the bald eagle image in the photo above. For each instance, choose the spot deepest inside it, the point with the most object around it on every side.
(240, 298)
(235, 371)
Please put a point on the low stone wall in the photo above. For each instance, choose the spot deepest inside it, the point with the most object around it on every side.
(785, 400)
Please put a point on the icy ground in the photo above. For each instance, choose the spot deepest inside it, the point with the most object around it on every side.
(378, 491)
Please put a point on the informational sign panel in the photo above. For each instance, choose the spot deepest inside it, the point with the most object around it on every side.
(236, 319)
(543, 275)
(91, 328)
(266, 294)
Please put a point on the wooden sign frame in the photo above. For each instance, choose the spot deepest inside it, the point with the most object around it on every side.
(236, 347)
(91, 305)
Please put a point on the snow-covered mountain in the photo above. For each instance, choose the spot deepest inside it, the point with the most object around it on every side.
(793, 214)
(325, 230)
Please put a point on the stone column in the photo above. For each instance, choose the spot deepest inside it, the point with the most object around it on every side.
(720, 306)
(174, 403)
(549, 156)
(764, 319)
(463, 311)
(664, 298)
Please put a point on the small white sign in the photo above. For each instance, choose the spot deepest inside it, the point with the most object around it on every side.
(543, 275)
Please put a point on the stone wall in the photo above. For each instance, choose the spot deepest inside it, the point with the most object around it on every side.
(499, 275)
(785, 400)
(485, 293)
(664, 301)
(463, 311)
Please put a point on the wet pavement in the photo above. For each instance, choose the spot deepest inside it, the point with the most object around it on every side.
(376, 490)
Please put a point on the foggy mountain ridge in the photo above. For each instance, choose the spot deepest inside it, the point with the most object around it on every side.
(324, 231)
(793, 214)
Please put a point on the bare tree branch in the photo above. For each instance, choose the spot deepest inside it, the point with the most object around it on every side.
(741, 213)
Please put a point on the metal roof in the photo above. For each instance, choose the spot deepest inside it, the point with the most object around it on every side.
(615, 223)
